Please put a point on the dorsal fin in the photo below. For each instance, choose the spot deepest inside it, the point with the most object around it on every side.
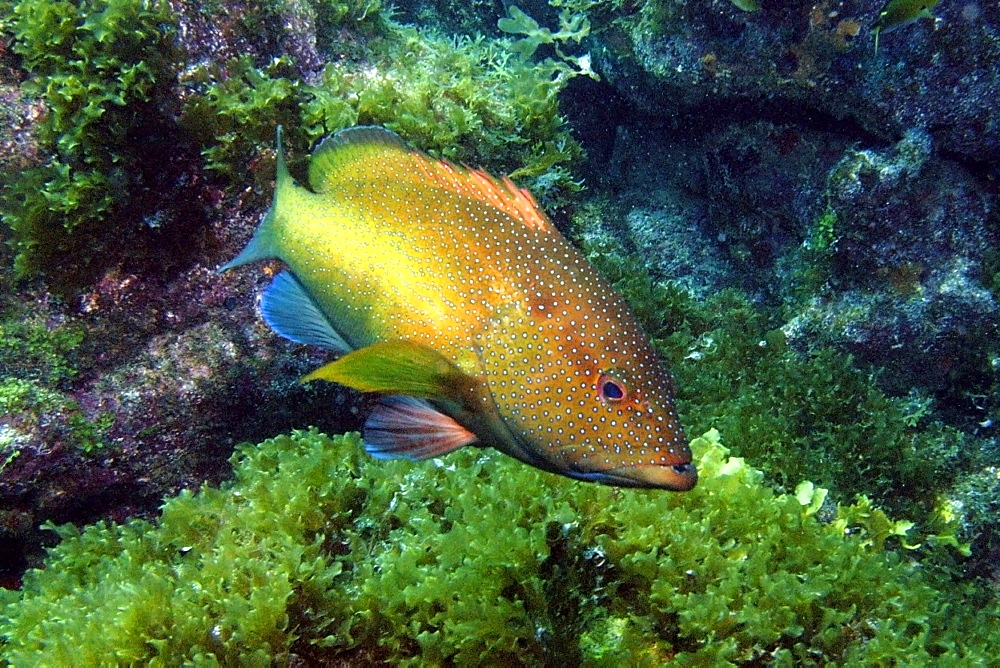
(369, 157)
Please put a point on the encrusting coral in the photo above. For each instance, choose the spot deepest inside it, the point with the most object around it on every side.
(315, 552)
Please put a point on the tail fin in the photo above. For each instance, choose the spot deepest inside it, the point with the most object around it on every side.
(263, 246)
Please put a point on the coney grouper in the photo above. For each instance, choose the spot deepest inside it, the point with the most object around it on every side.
(452, 295)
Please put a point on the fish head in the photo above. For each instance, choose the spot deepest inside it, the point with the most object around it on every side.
(589, 401)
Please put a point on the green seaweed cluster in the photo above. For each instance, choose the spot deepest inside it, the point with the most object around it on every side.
(317, 553)
(37, 361)
(332, 14)
(574, 26)
(105, 70)
(99, 66)
(237, 112)
(462, 98)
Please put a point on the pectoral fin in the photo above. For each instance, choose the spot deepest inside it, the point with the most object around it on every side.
(397, 367)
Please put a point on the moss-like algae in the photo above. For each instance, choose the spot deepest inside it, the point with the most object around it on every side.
(105, 70)
(464, 99)
(315, 552)
(37, 361)
(99, 66)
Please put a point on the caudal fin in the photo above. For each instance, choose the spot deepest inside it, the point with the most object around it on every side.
(263, 245)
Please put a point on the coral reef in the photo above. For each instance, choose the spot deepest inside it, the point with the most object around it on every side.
(315, 553)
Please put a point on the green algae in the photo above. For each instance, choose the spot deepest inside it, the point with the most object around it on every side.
(315, 552)
(99, 66)
(107, 69)
(237, 111)
(464, 99)
(574, 26)
(37, 362)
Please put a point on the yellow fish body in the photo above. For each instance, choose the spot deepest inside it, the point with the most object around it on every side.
(451, 293)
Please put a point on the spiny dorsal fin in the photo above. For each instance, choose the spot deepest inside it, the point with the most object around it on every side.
(369, 157)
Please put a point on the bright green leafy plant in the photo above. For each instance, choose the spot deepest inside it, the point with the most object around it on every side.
(317, 552)
(464, 99)
(573, 27)
(98, 65)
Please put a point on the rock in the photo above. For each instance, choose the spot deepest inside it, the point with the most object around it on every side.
(673, 58)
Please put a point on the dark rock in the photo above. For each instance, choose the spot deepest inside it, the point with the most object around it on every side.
(671, 58)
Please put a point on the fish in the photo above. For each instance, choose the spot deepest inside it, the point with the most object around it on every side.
(898, 13)
(450, 293)
(747, 5)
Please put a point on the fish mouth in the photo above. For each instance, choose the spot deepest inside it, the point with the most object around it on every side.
(678, 477)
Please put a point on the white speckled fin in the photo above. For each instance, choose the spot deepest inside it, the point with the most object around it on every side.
(290, 311)
(408, 428)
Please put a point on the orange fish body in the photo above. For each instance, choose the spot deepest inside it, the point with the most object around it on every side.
(451, 293)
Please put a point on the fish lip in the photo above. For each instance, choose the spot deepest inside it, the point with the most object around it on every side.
(676, 477)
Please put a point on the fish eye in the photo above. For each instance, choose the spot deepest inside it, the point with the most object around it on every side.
(610, 388)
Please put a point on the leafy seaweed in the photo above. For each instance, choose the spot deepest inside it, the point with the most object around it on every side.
(318, 552)
(98, 65)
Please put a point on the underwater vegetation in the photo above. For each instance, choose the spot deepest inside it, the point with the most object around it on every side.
(465, 99)
(315, 553)
(158, 374)
(113, 72)
(102, 67)
(35, 363)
